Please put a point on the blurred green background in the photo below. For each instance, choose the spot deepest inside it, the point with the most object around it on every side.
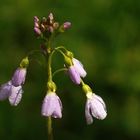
(105, 36)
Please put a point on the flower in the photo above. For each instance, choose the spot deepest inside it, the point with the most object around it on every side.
(5, 90)
(79, 67)
(74, 75)
(15, 95)
(95, 107)
(52, 106)
(19, 77)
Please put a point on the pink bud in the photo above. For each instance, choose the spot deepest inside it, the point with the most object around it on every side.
(66, 25)
(37, 31)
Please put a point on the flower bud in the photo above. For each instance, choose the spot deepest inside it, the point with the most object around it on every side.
(66, 25)
(50, 17)
(36, 19)
(37, 31)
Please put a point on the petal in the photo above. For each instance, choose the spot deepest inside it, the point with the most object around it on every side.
(58, 109)
(16, 95)
(5, 90)
(79, 67)
(48, 106)
(74, 75)
(100, 100)
(89, 118)
(97, 109)
(19, 77)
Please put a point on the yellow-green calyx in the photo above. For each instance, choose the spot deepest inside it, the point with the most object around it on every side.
(86, 88)
(69, 54)
(51, 86)
(68, 61)
(24, 62)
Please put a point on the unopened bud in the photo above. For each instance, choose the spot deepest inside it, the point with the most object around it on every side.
(36, 19)
(55, 25)
(66, 25)
(37, 31)
(51, 18)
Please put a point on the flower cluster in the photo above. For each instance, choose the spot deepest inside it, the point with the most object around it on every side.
(48, 29)
(47, 26)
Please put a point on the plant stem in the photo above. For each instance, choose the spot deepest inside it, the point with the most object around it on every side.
(59, 70)
(50, 134)
(49, 71)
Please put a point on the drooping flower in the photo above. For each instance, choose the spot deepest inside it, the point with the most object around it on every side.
(95, 107)
(5, 90)
(74, 75)
(19, 77)
(52, 106)
(79, 67)
(15, 95)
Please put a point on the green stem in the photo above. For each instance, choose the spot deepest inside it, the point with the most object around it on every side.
(33, 52)
(57, 49)
(50, 134)
(59, 70)
(49, 70)
(61, 47)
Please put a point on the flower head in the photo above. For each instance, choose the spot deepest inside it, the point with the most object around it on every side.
(79, 67)
(15, 95)
(52, 106)
(5, 90)
(95, 107)
(74, 75)
(19, 77)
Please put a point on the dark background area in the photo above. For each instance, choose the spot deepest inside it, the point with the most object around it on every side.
(105, 36)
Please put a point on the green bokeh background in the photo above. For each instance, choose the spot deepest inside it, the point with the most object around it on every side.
(105, 36)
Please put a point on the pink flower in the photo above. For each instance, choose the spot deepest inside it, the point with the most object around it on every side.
(52, 106)
(95, 107)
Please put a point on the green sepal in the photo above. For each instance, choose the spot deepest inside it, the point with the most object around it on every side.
(68, 61)
(86, 88)
(69, 54)
(51, 86)
(24, 62)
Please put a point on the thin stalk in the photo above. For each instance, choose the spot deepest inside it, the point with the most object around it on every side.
(49, 125)
(59, 70)
(49, 71)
